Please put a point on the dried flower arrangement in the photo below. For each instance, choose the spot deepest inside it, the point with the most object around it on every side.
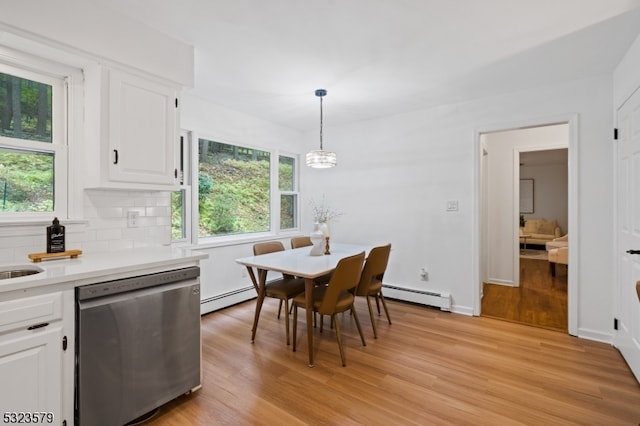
(322, 213)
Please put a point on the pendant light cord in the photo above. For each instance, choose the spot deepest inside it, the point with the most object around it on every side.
(320, 123)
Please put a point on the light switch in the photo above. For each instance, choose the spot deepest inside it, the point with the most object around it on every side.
(452, 205)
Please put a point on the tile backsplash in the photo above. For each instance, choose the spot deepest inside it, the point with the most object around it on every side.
(102, 227)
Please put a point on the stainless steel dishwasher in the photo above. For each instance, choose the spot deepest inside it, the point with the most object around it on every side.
(138, 345)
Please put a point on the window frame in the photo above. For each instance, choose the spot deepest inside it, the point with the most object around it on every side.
(59, 78)
(192, 169)
(183, 156)
(295, 191)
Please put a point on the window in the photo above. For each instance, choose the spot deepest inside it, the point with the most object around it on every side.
(32, 144)
(180, 200)
(287, 183)
(235, 189)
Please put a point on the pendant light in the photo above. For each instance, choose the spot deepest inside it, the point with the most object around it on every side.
(321, 159)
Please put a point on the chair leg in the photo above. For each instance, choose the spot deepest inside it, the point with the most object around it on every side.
(295, 325)
(279, 308)
(552, 268)
(377, 304)
(384, 305)
(286, 318)
(355, 317)
(334, 320)
(373, 320)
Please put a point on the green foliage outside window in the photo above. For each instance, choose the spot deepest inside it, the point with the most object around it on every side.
(26, 181)
(25, 108)
(26, 176)
(234, 189)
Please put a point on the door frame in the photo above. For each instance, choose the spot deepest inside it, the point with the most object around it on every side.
(573, 215)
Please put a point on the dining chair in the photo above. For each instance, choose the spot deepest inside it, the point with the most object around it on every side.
(305, 241)
(371, 281)
(334, 298)
(283, 288)
(297, 242)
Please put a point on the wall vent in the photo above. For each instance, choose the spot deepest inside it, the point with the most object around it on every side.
(440, 300)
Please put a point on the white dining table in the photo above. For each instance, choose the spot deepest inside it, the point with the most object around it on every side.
(299, 263)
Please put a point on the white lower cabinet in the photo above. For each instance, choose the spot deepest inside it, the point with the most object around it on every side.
(36, 385)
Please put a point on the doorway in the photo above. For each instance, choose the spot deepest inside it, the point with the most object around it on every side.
(498, 229)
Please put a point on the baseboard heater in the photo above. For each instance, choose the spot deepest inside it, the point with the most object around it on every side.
(225, 300)
(430, 298)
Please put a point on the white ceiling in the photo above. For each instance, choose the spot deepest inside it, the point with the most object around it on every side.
(383, 57)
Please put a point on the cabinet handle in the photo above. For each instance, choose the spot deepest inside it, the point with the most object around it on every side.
(33, 327)
(633, 251)
(115, 160)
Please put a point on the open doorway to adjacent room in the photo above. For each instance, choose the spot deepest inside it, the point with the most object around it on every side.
(524, 204)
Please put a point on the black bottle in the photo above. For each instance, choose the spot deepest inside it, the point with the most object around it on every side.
(55, 237)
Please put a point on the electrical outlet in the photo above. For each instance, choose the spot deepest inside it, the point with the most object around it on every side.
(132, 218)
(424, 275)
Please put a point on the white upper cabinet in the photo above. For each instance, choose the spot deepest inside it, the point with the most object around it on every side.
(135, 147)
(142, 130)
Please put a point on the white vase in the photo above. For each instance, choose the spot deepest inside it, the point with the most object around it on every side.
(317, 238)
(324, 227)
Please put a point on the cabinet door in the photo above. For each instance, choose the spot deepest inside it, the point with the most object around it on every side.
(30, 367)
(142, 130)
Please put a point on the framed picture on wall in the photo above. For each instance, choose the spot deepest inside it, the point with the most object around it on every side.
(526, 195)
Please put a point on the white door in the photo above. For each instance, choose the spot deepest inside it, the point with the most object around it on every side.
(627, 305)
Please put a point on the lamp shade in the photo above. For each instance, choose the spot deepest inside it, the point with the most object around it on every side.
(320, 159)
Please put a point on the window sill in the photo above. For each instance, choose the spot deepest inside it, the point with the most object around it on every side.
(238, 240)
(23, 227)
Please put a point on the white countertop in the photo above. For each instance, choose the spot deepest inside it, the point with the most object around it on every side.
(97, 267)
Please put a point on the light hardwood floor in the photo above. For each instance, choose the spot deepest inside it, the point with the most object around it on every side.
(540, 300)
(428, 367)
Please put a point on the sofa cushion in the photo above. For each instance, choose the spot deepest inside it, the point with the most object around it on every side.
(547, 227)
(530, 226)
(540, 226)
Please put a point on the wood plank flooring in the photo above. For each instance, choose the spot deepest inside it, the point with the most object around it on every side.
(428, 367)
(540, 300)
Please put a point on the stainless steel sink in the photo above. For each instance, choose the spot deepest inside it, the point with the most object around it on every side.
(18, 271)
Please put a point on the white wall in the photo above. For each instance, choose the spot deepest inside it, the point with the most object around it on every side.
(626, 78)
(550, 195)
(401, 171)
(502, 213)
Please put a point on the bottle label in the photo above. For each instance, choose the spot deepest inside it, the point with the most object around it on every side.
(56, 242)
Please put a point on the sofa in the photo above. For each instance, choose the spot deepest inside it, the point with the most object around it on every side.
(540, 231)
